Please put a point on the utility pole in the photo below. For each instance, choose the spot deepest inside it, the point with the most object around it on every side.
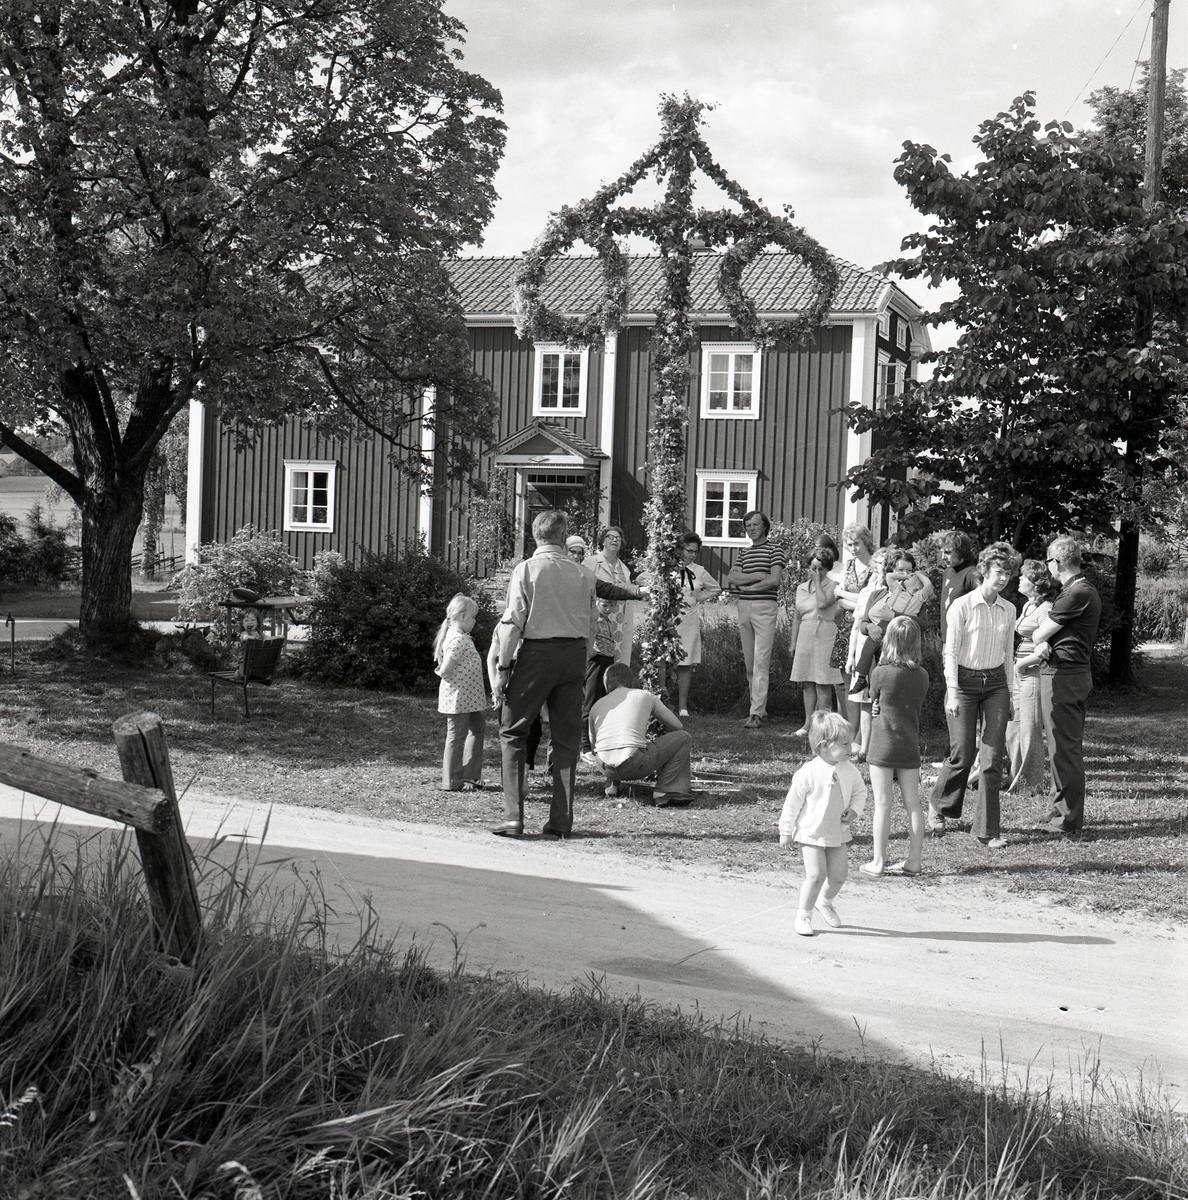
(1126, 579)
(1156, 102)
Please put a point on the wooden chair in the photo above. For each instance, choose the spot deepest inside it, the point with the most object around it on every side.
(258, 666)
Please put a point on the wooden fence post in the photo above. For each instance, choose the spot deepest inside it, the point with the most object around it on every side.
(165, 856)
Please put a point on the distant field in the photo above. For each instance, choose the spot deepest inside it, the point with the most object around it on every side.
(19, 493)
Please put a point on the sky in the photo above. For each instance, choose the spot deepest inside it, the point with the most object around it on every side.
(814, 98)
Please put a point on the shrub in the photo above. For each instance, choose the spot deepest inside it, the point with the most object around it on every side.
(719, 684)
(798, 541)
(42, 557)
(251, 559)
(1160, 609)
(1154, 558)
(373, 623)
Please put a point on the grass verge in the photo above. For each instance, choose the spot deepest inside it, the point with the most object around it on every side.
(285, 1065)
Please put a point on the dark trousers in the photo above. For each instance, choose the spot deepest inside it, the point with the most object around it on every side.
(868, 656)
(667, 757)
(1064, 696)
(548, 670)
(979, 694)
(593, 692)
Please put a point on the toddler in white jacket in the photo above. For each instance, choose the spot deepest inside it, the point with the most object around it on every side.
(826, 796)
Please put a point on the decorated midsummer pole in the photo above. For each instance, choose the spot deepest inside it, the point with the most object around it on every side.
(672, 224)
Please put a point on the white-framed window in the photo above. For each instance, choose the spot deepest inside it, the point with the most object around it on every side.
(309, 495)
(559, 381)
(891, 376)
(901, 332)
(730, 380)
(885, 325)
(723, 499)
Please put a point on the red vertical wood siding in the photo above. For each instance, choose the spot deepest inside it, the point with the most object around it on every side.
(798, 445)
(243, 484)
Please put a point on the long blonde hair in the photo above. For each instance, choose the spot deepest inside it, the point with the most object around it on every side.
(458, 609)
(901, 644)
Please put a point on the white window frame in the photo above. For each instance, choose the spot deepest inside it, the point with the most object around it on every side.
(706, 476)
(583, 355)
(730, 413)
(887, 367)
(292, 466)
(901, 332)
(885, 325)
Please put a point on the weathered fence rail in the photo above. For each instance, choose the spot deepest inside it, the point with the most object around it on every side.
(146, 800)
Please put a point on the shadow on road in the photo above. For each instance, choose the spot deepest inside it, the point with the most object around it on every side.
(966, 935)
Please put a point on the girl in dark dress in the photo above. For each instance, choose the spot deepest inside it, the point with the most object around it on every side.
(897, 689)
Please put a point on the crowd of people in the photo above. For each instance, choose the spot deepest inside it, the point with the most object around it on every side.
(1016, 680)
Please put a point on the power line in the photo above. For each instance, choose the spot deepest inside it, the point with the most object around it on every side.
(1139, 59)
(1108, 53)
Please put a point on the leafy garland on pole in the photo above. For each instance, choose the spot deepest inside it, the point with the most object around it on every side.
(672, 224)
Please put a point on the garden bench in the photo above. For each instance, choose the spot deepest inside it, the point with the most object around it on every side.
(260, 657)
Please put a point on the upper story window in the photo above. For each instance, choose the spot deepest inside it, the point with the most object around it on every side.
(559, 382)
(723, 499)
(901, 332)
(891, 377)
(309, 495)
(730, 380)
(885, 325)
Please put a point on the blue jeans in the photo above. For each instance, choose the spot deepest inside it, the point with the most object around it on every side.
(979, 694)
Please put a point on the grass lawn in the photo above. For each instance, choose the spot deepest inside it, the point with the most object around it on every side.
(378, 754)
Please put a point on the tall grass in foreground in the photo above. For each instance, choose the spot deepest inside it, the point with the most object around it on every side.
(288, 1065)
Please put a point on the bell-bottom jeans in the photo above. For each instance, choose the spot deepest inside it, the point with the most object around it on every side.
(979, 694)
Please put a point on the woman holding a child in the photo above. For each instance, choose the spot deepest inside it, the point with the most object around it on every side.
(1025, 730)
(858, 546)
(814, 632)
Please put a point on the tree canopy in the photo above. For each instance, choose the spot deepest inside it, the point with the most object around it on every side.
(1023, 428)
(242, 202)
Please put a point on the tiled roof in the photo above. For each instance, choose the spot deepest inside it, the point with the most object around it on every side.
(776, 282)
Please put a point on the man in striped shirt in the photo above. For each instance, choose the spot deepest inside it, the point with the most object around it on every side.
(979, 663)
(754, 583)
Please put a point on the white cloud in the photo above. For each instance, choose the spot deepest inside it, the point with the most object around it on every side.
(814, 98)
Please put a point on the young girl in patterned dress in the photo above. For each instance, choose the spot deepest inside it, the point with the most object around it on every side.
(461, 697)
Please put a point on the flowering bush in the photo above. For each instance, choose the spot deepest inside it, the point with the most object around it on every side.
(251, 559)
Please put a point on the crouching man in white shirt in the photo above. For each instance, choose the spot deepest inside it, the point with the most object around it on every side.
(619, 735)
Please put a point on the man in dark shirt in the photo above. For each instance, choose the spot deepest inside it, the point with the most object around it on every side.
(960, 575)
(1069, 631)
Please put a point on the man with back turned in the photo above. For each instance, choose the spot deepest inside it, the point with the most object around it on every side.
(550, 616)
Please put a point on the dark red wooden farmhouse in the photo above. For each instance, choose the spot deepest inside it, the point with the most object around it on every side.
(765, 427)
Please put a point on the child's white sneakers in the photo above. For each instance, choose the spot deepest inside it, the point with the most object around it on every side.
(826, 909)
(804, 924)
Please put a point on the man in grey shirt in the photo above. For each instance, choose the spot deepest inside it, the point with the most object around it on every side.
(550, 616)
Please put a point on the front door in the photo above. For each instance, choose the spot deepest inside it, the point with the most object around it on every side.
(569, 491)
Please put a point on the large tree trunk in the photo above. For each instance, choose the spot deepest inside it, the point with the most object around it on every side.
(110, 518)
(1125, 593)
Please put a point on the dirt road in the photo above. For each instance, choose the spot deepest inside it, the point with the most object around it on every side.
(962, 975)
